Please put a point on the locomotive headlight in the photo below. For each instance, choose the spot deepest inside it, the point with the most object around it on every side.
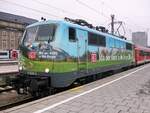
(46, 70)
(20, 67)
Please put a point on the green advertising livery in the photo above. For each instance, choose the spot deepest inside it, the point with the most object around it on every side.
(63, 51)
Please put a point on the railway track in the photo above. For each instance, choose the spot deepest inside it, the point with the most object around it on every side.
(8, 95)
(10, 98)
(20, 99)
(5, 88)
(5, 81)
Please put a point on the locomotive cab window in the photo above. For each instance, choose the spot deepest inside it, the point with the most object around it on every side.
(72, 34)
(40, 33)
(96, 40)
(30, 35)
(46, 32)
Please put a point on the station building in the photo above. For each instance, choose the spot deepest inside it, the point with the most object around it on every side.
(11, 30)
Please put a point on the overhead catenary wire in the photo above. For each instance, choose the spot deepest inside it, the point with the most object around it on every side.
(29, 8)
(46, 13)
(68, 12)
(91, 8)
(56, 8)
(130, 21)
(62, 10)
(127, 20)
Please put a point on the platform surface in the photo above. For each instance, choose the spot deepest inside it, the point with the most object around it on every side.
(8, 68)
(126, 92)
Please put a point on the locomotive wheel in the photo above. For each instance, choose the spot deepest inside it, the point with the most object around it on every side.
(39, 88)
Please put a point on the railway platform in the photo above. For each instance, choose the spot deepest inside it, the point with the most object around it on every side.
(9, 62)
(9, 68)
(126, 92)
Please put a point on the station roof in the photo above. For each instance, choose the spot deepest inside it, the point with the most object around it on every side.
(16, 18)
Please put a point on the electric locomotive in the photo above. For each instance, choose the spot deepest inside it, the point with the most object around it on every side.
(56, 53)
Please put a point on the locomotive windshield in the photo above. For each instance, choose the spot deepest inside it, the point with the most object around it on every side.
(39, 33)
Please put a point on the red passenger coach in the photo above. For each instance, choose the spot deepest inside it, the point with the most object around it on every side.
(142, 55)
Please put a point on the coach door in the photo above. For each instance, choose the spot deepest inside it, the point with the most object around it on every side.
(82, 50)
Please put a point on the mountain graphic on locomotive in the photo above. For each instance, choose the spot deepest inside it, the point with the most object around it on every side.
(56, 53)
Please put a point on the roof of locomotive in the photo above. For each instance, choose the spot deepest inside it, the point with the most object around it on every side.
(79, 27)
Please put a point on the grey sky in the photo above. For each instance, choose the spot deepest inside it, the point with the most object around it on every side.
(133, 12)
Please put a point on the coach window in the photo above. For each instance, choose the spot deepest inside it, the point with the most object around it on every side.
(148, 53)
(72, 34)
(142, 53)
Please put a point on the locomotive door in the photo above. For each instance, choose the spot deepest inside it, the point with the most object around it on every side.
(82, 48)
